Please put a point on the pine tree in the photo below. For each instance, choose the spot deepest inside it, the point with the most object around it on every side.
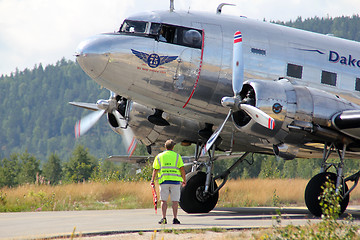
(80, 166)
(29, 168)
(52, 169)
(9, 170)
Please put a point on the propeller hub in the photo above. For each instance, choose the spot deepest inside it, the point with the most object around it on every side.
(231, 102)
(103, 104)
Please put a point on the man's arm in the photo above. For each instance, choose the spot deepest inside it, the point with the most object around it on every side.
(155, 171)
(183, 175)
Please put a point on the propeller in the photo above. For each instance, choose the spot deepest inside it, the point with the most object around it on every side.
(100, 108)
(235, 103)
(129, 138)
(87, 122)
(238, 65)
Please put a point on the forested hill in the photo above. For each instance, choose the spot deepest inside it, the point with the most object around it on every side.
(344, 27)
(35, 114)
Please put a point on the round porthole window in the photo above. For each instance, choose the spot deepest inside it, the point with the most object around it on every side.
(192, 38)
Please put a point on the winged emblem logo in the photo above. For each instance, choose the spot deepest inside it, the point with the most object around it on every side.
(153, 60)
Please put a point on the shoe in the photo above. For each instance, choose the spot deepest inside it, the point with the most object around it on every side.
(163, 221)
(176, 221)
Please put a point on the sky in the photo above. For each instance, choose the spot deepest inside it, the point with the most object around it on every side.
(45, 31)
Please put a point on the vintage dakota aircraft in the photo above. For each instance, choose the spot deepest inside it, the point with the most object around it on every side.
(181, 75)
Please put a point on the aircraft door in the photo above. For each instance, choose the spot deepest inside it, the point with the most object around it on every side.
(211, 60)
(181, 47)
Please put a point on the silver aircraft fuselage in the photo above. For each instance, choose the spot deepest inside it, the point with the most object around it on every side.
(187, 80)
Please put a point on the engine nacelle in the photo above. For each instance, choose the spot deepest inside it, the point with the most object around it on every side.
(298, 111)
(180, 129)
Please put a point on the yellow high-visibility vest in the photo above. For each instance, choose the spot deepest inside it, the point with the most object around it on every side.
(168, 163)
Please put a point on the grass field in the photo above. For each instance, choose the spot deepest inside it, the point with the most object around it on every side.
(122, 195)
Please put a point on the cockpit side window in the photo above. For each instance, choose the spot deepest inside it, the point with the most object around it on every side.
(155, 29)
(168, 34)
(138, 27)
(180, 36)
(164, 33)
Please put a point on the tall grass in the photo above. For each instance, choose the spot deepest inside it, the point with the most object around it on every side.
(329, 228)
(81, 196)
(122, 195)
(263, 192)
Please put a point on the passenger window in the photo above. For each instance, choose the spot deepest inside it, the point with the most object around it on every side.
(258, 51)
(328, 78)
(294, 70)
(357, 84)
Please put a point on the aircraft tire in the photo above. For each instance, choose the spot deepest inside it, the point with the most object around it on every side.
(313, 191)
(191, 200)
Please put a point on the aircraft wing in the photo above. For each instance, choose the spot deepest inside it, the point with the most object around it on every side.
(132, 159)
(186, 159)
(348, 122)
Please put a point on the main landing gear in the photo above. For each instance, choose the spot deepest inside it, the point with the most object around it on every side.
(201, 193)
(314, 188)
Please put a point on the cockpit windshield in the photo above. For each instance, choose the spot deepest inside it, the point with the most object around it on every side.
(164, 33)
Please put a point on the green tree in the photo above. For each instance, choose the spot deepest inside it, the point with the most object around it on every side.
(290, 169)
(9, 170)
(307, 168)
(271, 168)
(52, 169)
(29, 168)
(344, 27)
(80, 166)
(43, 129)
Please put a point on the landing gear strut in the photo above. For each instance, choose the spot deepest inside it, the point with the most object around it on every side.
(193, 199)
(314, 188)
(201, 193)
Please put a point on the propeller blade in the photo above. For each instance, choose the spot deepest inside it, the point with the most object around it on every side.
(214, 136)
(89, 106)
(238, 64)
(259, 116)
(84, 124)
(237, 81)
(127, 134)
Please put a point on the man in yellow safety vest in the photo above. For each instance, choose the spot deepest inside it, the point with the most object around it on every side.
(169, 169)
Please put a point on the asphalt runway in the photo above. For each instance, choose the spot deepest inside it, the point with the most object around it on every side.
(35, 225)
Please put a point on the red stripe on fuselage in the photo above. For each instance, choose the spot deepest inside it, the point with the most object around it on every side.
(198, 76)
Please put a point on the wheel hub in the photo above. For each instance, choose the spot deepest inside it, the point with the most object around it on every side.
(200, 195)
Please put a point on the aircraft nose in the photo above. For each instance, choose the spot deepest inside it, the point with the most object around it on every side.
(93, 55)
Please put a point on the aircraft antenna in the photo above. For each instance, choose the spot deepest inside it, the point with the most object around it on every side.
(172, 6)
(219, 8)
